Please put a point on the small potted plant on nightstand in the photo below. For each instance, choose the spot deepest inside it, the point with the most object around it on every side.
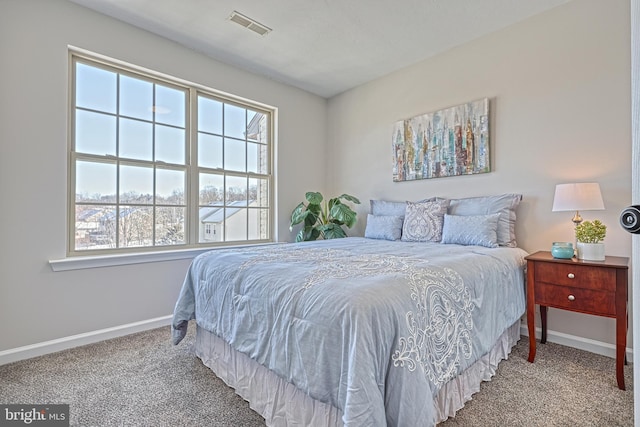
(589, 240)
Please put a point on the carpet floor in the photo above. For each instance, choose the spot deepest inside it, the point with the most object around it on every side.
(143, 380)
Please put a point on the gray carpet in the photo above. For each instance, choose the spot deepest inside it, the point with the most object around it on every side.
(142, 380)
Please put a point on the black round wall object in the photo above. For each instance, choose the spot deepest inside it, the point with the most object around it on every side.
(630, 219)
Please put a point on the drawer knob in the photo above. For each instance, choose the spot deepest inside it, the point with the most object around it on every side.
(572, 298)
(571, 276)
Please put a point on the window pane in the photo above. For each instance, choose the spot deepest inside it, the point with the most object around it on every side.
(211, 189)
(258, 192)
(257, 158)
(235, 224)
(209, 115)
(252, 157)
(236, 190)
(170, 106)
(136, 184)
(211, 224)
(95, 133)
(170, 226)
(136, 98)
(95, 227)
(170, 144)
(136, 139)
(235, 124)
(95, 88)
(234, 155)
(169, 187)
(135, 226)
(209, 151)
(258, 224)
(256, 126)
(95, 182)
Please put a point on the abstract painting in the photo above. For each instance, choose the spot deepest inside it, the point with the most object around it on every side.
(449, 142)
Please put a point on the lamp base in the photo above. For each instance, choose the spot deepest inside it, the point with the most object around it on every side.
(577, 219)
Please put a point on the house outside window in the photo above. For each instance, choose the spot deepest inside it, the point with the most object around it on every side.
(157, 163)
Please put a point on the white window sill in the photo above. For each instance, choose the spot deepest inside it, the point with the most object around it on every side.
(96, 261)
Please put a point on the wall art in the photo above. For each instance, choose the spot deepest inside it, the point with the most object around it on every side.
(449, 142)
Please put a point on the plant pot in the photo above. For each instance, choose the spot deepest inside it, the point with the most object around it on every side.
(590, 251)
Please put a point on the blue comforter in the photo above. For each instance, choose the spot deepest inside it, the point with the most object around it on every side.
(372, 327)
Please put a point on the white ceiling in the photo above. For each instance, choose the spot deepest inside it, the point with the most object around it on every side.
(322, 46)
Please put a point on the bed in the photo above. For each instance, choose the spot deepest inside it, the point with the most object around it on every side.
(356, 331)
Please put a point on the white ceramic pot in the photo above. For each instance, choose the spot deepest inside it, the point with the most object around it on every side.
(590, 251)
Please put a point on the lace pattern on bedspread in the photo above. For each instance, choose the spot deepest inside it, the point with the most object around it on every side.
(335, 263)
(440, 329)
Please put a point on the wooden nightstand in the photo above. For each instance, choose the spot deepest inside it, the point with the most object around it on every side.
(592, 287)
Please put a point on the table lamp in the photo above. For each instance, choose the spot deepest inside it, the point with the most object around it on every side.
(583, 196)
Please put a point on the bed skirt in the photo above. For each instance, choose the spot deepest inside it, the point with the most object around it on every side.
(282, 404)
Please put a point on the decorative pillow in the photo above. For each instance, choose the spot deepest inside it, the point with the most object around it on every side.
(423, 221)
(431, 199)
(477, 230)
(387, 227)
(504, 204)
(385, 208)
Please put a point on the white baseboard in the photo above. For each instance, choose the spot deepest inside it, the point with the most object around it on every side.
(39, 349)
(598, 347)
(47, 347)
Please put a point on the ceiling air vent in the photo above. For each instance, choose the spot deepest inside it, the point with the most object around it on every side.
(249, 23)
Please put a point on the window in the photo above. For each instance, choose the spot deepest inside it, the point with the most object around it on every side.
(159, 164)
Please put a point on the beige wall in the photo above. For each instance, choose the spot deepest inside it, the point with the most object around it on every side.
(36, 304)
(560, 91)
(559, 85)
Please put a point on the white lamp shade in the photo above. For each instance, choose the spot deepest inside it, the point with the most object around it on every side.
(584, 196)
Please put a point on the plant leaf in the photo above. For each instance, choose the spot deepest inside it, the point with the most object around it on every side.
(332, 231)
(591, 232)
(300, 236)
(315, 208)
(314, 198)
(350, 198)
(307, 233)
(311, 219)
(344, 214)
(298, 215)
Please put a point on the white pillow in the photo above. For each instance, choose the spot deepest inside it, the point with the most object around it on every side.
(477, 230)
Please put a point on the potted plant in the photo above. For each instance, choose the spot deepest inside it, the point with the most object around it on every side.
(589, 240)
(323, 219)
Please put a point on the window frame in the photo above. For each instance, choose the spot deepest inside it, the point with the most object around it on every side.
(190, 167)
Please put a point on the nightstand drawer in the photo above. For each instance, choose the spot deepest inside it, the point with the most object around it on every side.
(578, 299)
(580, 276)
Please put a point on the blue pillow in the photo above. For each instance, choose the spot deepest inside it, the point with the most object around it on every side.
(386, 227)
(503, 204)
(386, 208)
(477, 230)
